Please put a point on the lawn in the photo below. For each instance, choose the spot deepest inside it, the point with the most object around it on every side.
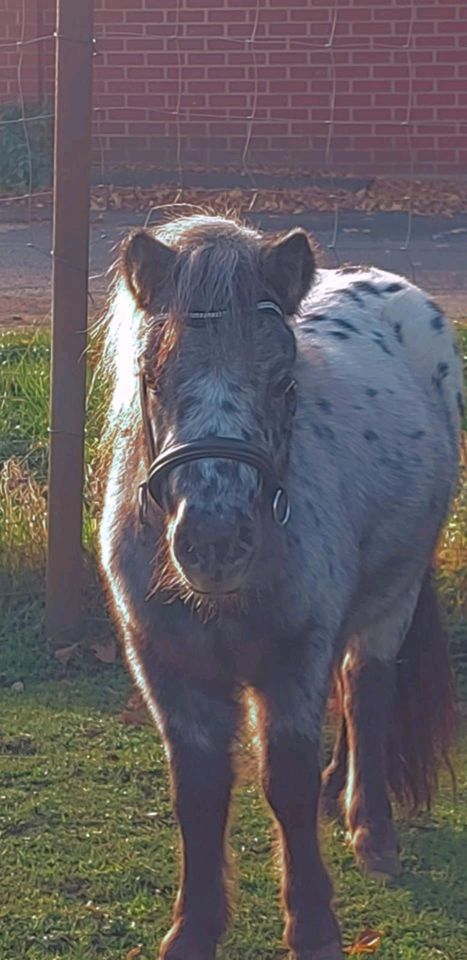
(89, 847)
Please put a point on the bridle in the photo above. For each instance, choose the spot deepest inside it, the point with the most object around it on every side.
(220, 448)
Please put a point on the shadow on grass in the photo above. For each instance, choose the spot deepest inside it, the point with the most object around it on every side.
(106, 692)
(435, 858)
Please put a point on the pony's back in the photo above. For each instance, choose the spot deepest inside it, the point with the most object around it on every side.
(376, 299)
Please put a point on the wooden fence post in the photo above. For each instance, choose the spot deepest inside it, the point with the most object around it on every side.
(72, 162)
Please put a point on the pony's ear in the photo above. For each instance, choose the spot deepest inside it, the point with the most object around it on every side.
(146, 265)
(288, 267)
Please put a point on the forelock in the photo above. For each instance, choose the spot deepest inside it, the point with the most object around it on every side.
(217, 269)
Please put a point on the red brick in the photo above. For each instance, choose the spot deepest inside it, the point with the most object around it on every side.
(113, 17)
(230, 16)
(192, 16)
(110, 5)
(146, 17)
(110, 127)
(438, 12)
(440, 70)
(149, 44)
(228, 101)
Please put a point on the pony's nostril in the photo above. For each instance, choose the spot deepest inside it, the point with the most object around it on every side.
(187, 552)
(238, 552)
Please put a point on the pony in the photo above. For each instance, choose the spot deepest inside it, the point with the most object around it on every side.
(283, 452)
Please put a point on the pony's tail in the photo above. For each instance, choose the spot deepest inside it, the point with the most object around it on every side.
(424, 718)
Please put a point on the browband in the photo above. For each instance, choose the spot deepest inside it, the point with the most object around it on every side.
(199, 317)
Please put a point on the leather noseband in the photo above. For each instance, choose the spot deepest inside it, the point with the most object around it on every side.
(218, 448)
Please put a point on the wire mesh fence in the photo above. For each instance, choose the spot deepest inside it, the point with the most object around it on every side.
(411, 226)
(349, 209)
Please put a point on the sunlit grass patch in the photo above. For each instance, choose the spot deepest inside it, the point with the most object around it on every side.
(90, 847)
(24, 411)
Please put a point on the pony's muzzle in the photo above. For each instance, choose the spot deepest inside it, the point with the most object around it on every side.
(213, 554)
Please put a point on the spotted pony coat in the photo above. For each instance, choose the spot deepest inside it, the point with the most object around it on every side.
(372, 465)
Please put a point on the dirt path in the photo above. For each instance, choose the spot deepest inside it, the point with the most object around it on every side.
(435, 259)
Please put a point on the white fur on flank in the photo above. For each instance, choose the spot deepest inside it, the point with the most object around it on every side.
(408, 311)
(427, 347)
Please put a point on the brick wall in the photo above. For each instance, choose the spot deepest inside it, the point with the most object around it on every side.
(379, 86)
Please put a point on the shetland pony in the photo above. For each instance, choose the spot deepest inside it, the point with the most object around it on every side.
(284, 449)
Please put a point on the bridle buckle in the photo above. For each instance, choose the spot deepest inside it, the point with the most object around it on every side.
(281, 507)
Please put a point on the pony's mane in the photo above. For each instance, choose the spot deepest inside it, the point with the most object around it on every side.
(217, 267)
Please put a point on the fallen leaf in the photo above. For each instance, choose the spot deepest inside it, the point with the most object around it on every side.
(64, 654)
(134, 718)
(135, 700)
(93, 908)
(368, 942)
(134, 952)
(106, 651)
(135, 713)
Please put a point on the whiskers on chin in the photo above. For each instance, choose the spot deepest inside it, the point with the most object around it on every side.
(168, 578)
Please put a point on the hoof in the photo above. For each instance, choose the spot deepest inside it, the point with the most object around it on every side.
(332, 951)
(179, 946)
(380, 862)
(174, 953)
(383, 868)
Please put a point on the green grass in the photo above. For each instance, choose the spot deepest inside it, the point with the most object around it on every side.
(89, 847)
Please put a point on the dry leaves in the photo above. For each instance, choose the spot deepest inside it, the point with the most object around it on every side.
(134, 952)
(105, 651)
(135, 713)
(426, 198)
(368, 942)
(64, 654)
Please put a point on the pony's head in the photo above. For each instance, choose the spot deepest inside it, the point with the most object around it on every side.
(218, 389)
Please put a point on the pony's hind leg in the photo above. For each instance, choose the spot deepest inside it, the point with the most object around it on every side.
(368, 691)
(400, 716)
(334, 776)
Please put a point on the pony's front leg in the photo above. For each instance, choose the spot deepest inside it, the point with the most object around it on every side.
(202, 782)
(199, 727)
(291, 781)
